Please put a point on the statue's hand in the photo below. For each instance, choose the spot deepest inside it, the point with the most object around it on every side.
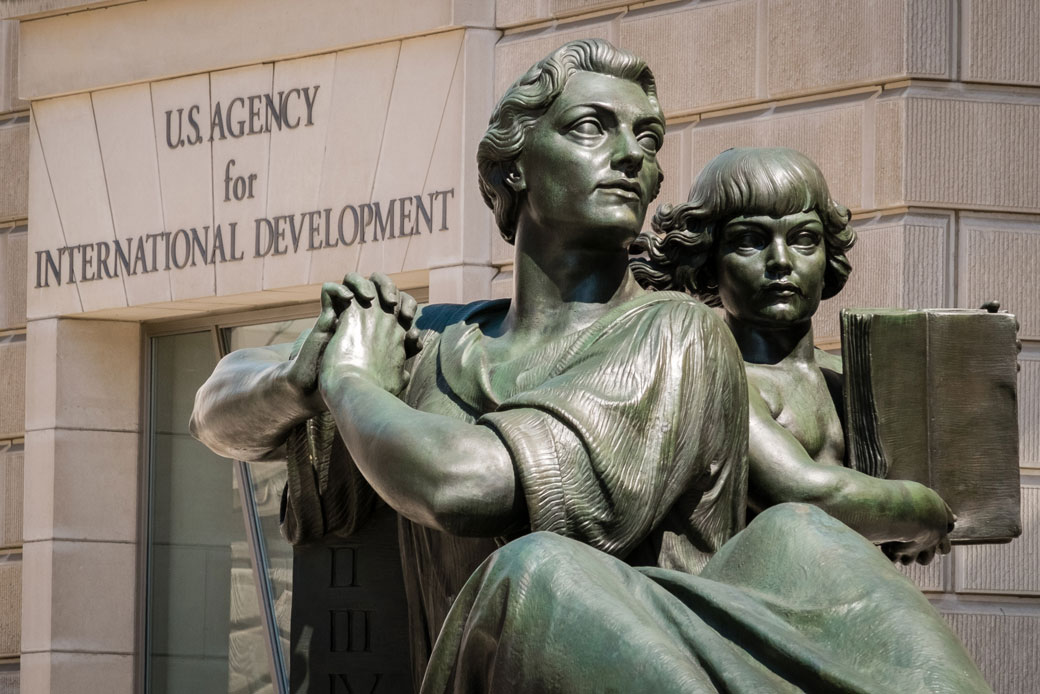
(372, 340)
(304, 365)
(391, 300)
(936, 521)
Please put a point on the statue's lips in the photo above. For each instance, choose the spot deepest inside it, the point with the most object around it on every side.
(782, 289)
(623, 188)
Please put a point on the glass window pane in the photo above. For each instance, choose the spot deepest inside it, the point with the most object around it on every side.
(204, 624)
(267, 333)
(267, 480)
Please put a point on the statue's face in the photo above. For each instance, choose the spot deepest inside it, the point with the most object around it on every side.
(771, 271)
(590, 162)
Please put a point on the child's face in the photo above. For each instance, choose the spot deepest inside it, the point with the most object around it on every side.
(770, 270)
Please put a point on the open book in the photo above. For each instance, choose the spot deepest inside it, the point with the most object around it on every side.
(930, 396)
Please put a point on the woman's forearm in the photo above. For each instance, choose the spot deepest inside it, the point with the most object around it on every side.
(248, 405)
(437, 471)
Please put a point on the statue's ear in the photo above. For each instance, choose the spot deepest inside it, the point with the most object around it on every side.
(515, 177)
(708, 276)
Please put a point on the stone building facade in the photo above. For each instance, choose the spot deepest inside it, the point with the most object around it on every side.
(334, 136)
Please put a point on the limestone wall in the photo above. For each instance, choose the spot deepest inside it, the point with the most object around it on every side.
(14, 186)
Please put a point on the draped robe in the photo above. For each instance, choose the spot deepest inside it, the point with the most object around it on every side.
(629, 443)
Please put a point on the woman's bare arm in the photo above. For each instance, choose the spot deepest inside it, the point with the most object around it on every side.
(440, 472)
(248, 405)
(254, 397)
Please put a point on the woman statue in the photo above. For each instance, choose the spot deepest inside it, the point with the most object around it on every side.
(582, 407)
(761, 237)
(602, 426)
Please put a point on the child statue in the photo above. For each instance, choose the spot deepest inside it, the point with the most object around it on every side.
(761, 237)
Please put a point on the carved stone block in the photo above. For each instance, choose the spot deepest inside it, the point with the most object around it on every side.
(14, 168)
(349, 627)
(701, 55)
(12, 386)
(13, 252)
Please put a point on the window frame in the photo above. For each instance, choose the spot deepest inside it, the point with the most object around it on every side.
(217, 325)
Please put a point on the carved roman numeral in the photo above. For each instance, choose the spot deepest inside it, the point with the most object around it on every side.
(350, 631)
(341, 684)
(344, 567)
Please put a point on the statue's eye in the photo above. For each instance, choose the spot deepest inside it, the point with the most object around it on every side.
(650, 141)
(748, 241)
(805, 238)
(587, 127)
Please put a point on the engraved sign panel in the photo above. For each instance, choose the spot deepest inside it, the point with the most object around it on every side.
(271, 177)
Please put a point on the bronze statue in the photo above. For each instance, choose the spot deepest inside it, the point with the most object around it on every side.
(602, 426)
(761, 237)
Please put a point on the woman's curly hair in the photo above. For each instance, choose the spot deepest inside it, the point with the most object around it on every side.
(748, 181)
(528, 99)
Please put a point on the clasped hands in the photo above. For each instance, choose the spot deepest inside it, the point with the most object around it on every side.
(364, 330)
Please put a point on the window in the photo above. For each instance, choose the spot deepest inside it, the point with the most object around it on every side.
(219, 575)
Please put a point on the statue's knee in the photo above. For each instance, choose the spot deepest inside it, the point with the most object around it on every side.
(791, 522)
(532, 554)
(793, 513)
(803, 526)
